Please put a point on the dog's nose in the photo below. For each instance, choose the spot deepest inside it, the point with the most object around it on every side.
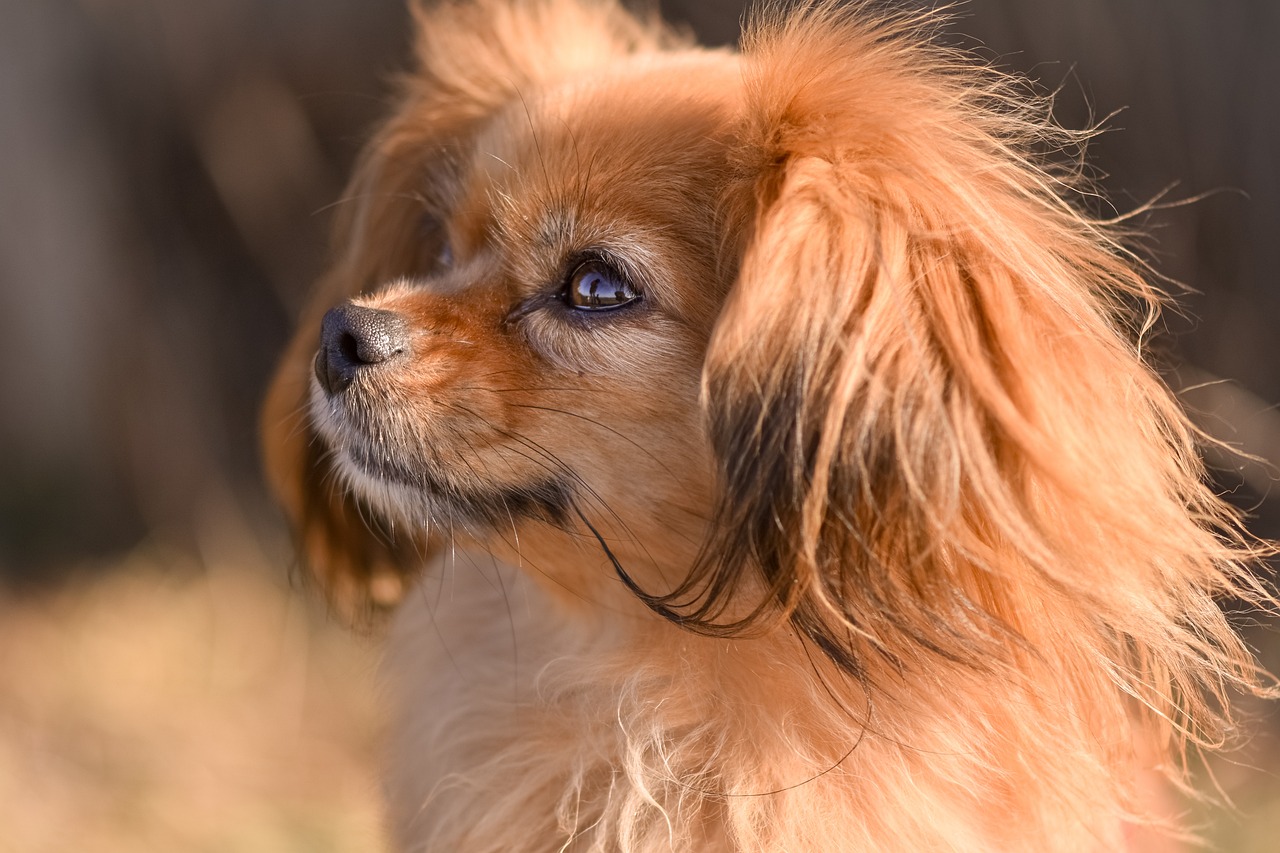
(353, 338)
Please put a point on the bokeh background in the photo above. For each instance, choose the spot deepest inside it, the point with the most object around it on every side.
(167, 175)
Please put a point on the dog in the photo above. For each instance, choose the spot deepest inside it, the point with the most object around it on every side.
(756, 449)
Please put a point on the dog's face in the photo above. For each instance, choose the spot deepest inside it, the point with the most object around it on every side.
(808, 333)
(542, 361)
(537, 260)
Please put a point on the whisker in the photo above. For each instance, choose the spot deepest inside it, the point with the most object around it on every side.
(348, 199)
(602, 426)
(558, 467)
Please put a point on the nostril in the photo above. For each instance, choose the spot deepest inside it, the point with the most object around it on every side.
(367, 335)
(349, 349)
(352, 338)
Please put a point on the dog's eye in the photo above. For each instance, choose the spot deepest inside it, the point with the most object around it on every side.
(596, 286)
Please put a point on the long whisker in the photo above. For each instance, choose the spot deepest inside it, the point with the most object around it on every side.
(557, 465)
(602, 426)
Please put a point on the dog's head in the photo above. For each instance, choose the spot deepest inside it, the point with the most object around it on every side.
(809, 334)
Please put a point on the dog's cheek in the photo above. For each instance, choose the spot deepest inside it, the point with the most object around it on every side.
(627, 347)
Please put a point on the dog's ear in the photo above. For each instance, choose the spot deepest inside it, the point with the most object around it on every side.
(936, 434)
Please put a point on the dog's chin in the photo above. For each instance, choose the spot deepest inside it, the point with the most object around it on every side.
(417, 493)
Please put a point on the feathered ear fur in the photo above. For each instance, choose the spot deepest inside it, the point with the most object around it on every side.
(473, 58)
(939, 443)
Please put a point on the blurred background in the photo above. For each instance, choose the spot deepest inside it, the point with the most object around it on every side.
(167, 176)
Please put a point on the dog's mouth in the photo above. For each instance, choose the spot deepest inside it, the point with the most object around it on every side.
(443, 499)
(421, 487)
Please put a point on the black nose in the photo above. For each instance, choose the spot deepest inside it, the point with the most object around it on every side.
(353, 338)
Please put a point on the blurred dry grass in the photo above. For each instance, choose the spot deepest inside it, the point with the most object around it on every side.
(187, 703)
(179, 702)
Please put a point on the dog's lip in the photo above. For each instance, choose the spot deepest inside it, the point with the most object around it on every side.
(381, 474)
(549, 499)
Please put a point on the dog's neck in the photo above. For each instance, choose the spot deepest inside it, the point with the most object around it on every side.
(626, 732)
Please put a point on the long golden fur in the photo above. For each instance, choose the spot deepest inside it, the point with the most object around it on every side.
(845, 516)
